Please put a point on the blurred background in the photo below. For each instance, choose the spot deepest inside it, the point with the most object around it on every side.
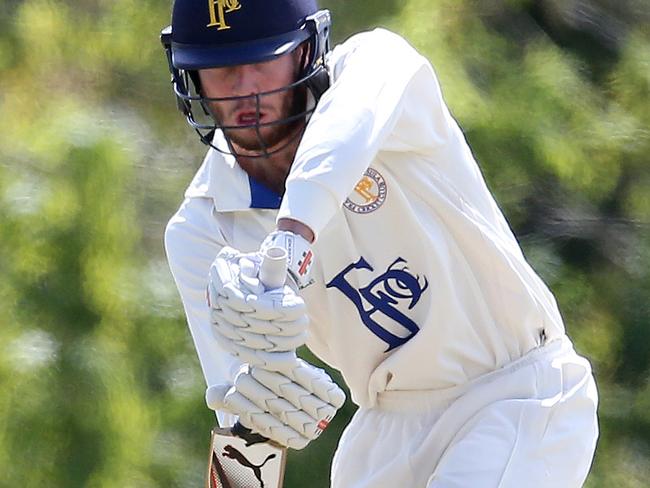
(99, 382)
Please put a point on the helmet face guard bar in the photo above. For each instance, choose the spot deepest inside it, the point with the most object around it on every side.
(189, 98)
(313, 80)
(209, 122)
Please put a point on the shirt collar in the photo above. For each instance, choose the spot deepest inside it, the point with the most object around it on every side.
(231, 188)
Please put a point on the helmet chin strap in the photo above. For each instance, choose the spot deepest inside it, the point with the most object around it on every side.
(207, 138)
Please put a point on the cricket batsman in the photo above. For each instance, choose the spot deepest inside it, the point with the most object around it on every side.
(396, 266)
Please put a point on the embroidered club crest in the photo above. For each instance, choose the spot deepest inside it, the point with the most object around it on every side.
(369, 194)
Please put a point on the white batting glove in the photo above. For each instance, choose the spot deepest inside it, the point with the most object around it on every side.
(291, 408)
(260, 327)
(300, 257)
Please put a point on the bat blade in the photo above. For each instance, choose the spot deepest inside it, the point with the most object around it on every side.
(234, 463)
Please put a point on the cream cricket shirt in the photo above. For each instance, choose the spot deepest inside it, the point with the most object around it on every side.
(420, 284)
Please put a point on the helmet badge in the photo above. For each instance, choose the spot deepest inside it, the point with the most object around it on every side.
(218, 10)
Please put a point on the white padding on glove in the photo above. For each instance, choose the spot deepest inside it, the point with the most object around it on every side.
(290, 408)
(246, 319)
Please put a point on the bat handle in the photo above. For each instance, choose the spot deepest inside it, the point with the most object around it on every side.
(273, 270)
(248, 435)
(273, 273)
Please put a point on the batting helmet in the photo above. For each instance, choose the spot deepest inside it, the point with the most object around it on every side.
(218, 33)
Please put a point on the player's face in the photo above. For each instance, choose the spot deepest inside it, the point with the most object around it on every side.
(249, 80)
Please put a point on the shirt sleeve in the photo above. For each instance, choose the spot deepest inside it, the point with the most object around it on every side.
(192, 241)
(384, 96)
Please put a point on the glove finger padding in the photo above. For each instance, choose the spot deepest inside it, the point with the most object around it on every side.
(280, 304)
(215, 394)
(276, 424)
(274, 405)
(235, 297)
(264, 423)
(282, 343)
(282, 325)
(225, 268)
(277, 327)
(275, 321)
(283, 410)
(296, 395)
(308, 388)
(317, 382)
(235, 328)
(225, 278)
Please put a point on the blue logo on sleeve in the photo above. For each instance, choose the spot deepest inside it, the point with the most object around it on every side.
(382, 295)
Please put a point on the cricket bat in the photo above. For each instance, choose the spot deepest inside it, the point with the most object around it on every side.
(238, 457)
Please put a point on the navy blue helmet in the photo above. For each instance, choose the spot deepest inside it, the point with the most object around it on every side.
(218, 33)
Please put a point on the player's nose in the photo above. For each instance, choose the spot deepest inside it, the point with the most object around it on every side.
(246, 80)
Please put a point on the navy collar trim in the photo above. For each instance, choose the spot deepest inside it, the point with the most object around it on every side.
(262, 196)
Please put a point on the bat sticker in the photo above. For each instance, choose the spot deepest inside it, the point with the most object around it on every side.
(235, 463)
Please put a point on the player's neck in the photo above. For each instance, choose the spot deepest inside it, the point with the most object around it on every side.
(272, 170)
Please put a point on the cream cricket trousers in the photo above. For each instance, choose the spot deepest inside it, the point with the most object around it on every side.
(531, 424)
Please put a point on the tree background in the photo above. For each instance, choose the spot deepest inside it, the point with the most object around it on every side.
(99, 382)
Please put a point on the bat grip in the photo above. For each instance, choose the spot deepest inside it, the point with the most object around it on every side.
(273, 270)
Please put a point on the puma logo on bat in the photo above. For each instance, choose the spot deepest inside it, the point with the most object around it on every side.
(231, 452)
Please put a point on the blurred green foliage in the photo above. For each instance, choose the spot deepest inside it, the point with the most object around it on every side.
(99, 383)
